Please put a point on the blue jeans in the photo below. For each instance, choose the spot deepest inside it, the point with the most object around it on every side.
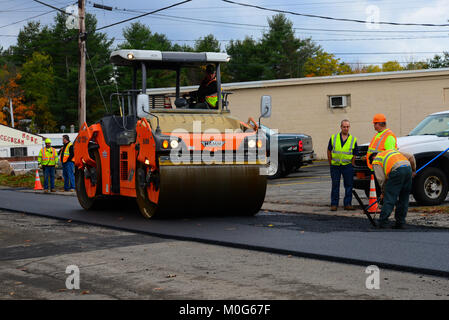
(69, 175)
(347, 172)
(397, 192)
(49, 173)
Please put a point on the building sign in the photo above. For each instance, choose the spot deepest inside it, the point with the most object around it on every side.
(13, 137)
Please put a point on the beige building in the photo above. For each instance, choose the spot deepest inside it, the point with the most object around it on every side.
(316, 106)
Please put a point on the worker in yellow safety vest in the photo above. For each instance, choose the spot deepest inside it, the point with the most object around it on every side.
(340, 153)
(66, 155)
(206, 95)
(384, 140)
(394, 171)
(48, 159)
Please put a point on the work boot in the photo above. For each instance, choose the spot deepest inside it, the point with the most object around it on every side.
(53, 190)
(333, 208)
(349, 207)
(46, 191)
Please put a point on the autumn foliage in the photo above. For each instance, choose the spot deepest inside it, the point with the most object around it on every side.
(9, 89)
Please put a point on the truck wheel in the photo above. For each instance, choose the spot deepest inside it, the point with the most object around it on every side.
(274, 170)
(86, 192)
(430, 187)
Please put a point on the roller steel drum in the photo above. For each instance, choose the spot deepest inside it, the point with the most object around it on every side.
(212, 190)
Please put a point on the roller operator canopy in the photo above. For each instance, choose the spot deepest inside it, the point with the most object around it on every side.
(166, 59)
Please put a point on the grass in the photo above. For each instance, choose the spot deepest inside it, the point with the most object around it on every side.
(25, 181)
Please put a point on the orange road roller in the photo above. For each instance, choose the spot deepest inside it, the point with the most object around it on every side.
(178, 155)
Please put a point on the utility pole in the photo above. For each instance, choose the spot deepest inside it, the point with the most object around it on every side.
(12, 113)
(82, 65)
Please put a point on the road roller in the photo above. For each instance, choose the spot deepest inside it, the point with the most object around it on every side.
(175, 155)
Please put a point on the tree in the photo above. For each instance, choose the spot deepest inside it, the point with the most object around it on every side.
(139, 36)
(9, 89)
(371, 69)
(344, 68)
(246, 63)
(61, 45)
(279, 54)
(207, 44)
(325, 64)
(33, 37)
(284, 55)
(418, 65)
(37, 82)
(439, 61)
(391, 66)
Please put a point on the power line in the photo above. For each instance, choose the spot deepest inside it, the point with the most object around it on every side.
(363, 53)
(377, 62)
(143, 15)
(50, 6)
(246, 25)
(377, 39)
(336, 19)
(21, 11)
(39, 15)
(295, 28)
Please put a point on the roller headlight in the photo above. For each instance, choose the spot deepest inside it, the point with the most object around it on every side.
(174, 144)
(165, 144)
(251, 144)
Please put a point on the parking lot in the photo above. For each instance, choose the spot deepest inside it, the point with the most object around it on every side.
(308, 191)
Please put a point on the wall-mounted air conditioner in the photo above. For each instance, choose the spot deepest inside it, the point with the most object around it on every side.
(338, 101)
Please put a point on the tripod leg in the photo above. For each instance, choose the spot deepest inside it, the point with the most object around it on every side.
(364, 208)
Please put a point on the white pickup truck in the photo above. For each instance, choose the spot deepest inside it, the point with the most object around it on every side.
(426, 141)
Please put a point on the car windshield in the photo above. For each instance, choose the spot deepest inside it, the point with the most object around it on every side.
(433, 125)
(268, 130)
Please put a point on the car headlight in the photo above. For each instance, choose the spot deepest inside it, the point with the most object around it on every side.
(174, 144)
(251, 144)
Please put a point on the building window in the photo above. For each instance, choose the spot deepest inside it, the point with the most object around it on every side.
(19, 152)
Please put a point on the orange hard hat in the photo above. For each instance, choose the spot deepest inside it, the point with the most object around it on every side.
(379, 118)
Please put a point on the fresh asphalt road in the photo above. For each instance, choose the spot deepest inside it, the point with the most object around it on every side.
(114, 264)
(341, 239)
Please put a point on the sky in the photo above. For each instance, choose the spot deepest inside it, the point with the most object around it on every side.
(354, 43)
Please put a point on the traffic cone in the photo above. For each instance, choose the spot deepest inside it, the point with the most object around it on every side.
(372, 196)
(37, 183)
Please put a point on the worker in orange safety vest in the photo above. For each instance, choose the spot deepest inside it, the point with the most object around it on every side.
(394, 171)
(384, 140)
(206, 95)
(66, 154)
